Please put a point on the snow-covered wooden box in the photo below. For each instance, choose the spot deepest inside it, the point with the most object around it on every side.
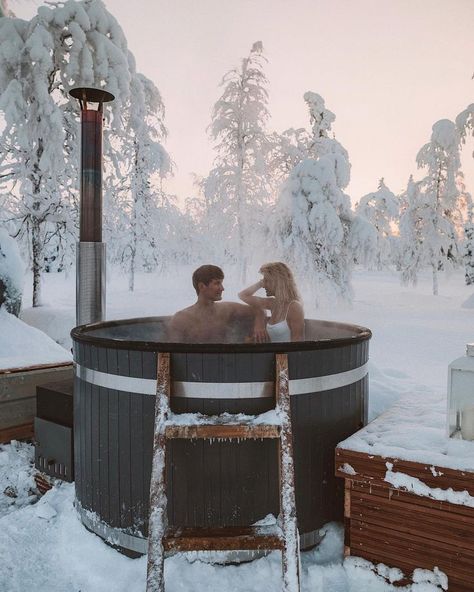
(461, 396)
(388, 524)
(18, 396)
(409, 493)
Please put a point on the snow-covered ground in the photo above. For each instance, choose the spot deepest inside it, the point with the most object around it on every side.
(22, 345)
(43, 546)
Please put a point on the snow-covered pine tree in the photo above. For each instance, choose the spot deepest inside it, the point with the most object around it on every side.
(287, 150)
(148, 163)
(317, 232)
(469, 247)
(410, 258)
(236, 189)
(465, 122)
(381, 209)
(440, 195)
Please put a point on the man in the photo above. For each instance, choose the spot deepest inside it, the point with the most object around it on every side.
(209, 320)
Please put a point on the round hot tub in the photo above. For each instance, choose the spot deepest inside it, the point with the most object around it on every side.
(210, 483)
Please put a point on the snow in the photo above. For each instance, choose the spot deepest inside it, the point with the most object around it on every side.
(12, 268)
(45, 548)
(414, 485)
(415, 336)
(22, 346)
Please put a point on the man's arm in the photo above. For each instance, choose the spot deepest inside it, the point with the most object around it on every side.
(255, 313)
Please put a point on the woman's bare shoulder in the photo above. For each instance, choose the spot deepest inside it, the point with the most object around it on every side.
(295, 308)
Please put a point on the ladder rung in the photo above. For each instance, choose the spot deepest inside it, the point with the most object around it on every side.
(232, 538)
(222, 431)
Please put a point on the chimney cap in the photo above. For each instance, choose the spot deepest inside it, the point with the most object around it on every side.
(91, 95)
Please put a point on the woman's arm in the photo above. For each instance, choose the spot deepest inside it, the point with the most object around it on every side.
(247, 296)
(295, 320)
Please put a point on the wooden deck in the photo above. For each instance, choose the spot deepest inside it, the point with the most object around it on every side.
(18, 397)
(390, 525)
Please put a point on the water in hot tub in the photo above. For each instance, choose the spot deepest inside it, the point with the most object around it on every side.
(43, 545)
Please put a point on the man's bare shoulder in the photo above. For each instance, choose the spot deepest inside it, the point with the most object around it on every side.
(178, 324)
(184, 313)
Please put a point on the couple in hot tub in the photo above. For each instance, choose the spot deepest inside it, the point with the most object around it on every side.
(212, 321)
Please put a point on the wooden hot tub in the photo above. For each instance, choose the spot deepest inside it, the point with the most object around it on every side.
(210, 483)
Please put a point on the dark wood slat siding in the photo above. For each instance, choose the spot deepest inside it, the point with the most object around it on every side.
(78, 436)
(123, 366)
(95, 451)
(196, 495)
(103, 454)
(219, 483)
(148, 432)
(320, 421)
(114, 443)
(308, 364)
(228, 367)
(138, 494)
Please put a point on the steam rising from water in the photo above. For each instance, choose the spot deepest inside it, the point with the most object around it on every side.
(154, 330)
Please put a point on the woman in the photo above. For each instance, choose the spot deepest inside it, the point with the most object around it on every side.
(286, 322)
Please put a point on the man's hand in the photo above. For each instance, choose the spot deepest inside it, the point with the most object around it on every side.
(260, 334)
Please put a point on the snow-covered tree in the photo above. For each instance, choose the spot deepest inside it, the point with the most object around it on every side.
(236, 189)
(287, 150)
(316, 228)
(465, 122)
(440, 197)
(469, 248)
(33, 137)
(4, 9)
(410, 258)
(67, 45)
(381, 209)
(146, 206)
(11, 274)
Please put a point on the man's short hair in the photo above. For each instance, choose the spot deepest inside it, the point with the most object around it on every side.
(205, 274)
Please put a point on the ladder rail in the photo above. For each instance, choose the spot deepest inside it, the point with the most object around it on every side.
(158, 519)
(290, 551)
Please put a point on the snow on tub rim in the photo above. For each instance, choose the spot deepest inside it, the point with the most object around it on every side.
(220, 483)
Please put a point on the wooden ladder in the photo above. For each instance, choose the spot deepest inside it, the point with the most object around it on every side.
(283, 537)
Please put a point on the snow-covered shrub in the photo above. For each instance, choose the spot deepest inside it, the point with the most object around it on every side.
(11, 274)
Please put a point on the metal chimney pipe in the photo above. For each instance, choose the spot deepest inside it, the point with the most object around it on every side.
(90, 253)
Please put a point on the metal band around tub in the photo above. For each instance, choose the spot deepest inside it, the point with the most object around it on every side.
(220, 390)
(119, 538)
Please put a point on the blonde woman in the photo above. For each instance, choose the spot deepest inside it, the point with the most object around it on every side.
(286, 321)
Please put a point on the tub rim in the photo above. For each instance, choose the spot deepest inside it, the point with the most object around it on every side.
(82, 334)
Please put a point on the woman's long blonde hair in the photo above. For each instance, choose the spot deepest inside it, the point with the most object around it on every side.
(283, 280)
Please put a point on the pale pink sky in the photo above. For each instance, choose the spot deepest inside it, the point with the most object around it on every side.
(387, 69)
